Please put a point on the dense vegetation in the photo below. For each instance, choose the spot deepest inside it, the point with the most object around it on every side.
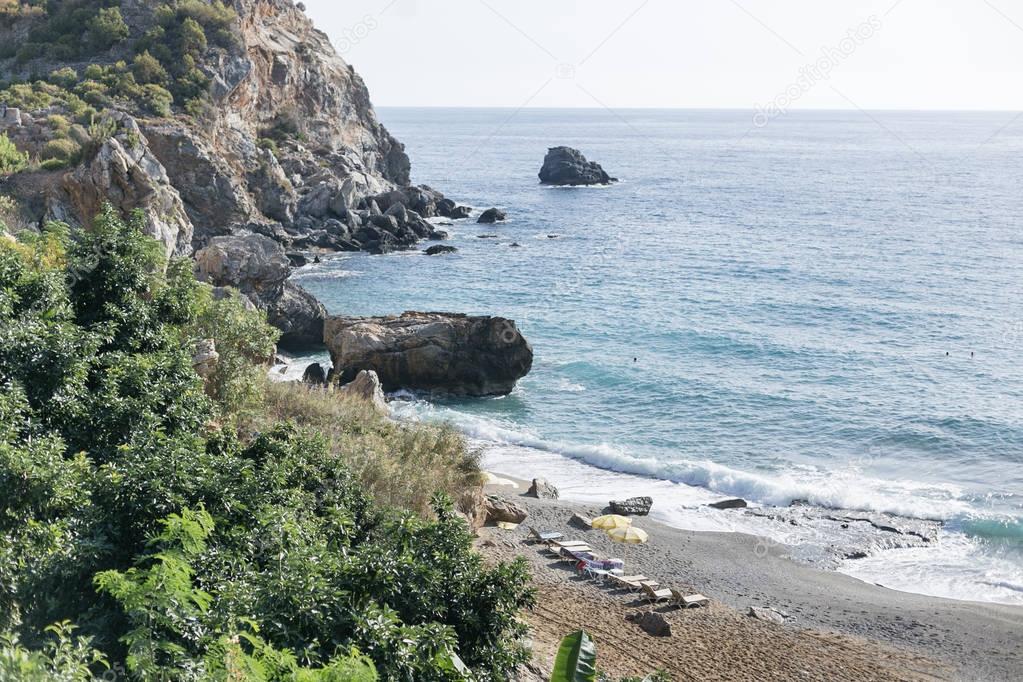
(158, 526)
(151, 65)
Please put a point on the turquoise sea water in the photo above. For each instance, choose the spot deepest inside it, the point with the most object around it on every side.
(829, 308)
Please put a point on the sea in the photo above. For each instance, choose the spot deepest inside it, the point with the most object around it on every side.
(824, 308)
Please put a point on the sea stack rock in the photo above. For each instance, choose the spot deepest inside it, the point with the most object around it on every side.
(567, 166)
(438, 352)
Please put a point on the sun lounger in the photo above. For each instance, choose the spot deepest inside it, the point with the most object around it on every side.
(688, 601)
(544, 536)
(632, 582)
(570, 543)
(654, 596)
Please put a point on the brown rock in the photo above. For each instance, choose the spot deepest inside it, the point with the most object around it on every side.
(500, 510)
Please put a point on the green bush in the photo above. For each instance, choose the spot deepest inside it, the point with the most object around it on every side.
(106, 29)
(147, 69)
(11, 160)
(61, 149)
(156, 100)
(193, 537)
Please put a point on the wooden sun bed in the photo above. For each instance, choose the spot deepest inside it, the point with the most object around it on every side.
(688, 601)
(654, 596)
(632, 582)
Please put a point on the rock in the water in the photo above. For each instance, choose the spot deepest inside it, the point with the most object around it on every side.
(500, 510)
(567, 166)
(366, 386)
(634, 506)
(767, 615)
(205, 358)
(439, 249)
(491, 215)
(314, 374)
(542, 490)
(736, 503)
(299, 316)
(443, 352)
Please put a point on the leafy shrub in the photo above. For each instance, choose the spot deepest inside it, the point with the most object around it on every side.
(156, 99)
(65, 77)
(11, 160)
(147, 69)
(192, 538)
(61, 149)
(59, 123)
(106, 29)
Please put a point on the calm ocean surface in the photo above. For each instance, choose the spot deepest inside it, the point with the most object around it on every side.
(829, 308)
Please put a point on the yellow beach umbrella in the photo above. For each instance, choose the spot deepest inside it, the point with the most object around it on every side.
(628, 535)
(610, 522)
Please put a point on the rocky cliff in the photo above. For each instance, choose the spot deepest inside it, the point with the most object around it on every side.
(215, 119)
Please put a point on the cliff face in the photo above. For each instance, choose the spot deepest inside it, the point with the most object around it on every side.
(277, 136)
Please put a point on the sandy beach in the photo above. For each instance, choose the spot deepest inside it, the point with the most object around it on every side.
(836, 627)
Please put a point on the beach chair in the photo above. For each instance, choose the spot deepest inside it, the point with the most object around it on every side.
(688, 601)
(543, 536)
(654, 596)
(632, 582)
(569, 544)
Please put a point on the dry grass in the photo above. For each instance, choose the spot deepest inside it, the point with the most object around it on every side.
(401, 464)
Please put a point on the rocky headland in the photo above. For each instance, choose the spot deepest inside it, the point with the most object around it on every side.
(275, 154)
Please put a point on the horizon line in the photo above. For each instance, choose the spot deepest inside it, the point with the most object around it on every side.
(700, 108)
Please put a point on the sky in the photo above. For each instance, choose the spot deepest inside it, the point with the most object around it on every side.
(744, 54)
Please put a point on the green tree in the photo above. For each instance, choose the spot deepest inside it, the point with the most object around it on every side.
(11, 160)
(106, 29)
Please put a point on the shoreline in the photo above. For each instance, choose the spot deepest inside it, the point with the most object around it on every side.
(979, 641)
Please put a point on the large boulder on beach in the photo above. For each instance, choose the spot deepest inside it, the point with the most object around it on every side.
(438, 352)
(652, 622)
(500, 510)
(634, 506)
(567, 166)
(542, 490)
(735, 503)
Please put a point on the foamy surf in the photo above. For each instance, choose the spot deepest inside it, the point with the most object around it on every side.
(956, 566)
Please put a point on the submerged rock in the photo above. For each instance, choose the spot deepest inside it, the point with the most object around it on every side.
(442, 352)
(439, 249)
(736, 503)
(567, 166)
(492, 215)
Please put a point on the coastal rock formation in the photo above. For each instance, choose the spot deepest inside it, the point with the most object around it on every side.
(366, 386)
(491, 215)
(440, 249)
(542, 490)
(443, 352)
(314, 375)
(124, 171)
(735, 503)
(634, 506)
(567, 166)
(500, 510)
(258, 267)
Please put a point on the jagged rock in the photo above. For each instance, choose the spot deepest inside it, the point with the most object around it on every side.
(459, 212)
(500, 510)
(581, 522)
(297, 260)
(398, 212)
(542, 490)
(253, 264)
(634, 506)
(314, 374)
(736, 503)
(205, 358)
(567, 166)
(491, 215)
(438, 249)
(299, 316)
(366, 386)
(125, 172)
(766, 614)
(443, 352)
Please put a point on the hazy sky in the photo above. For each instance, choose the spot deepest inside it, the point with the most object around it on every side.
(870, 54)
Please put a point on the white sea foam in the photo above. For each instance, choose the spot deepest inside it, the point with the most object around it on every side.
(955, 567)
